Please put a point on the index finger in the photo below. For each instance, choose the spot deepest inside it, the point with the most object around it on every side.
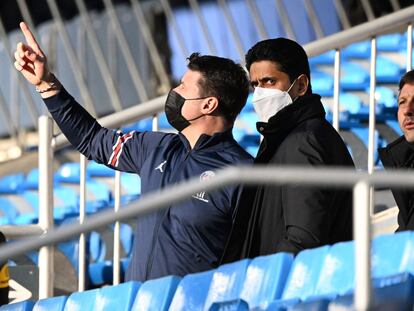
(29, 37)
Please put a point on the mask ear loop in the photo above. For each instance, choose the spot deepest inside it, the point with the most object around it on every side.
(290, 87)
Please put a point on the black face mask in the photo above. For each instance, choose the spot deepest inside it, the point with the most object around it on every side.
(173, 106)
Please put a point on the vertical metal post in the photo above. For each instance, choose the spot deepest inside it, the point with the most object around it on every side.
(342, 14)
(99, 56)
(284, 18)
(395, 5)
(117, 246)
(80, 80)
(314, 19)
(371, 140)
(258, 21)
(82, 213)
(204, 26)
(368, 10)
(31, 106)
(46, 265)
(362, 237)
(409, 47)
(27, 16)
(371, 130)
(232, 26)
(126, 51)
(337, 78)
(170, 18)
(152, 48)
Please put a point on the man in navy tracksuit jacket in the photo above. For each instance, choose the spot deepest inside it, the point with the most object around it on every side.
(189, 236)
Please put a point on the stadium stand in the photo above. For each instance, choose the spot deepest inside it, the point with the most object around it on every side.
(318, 279)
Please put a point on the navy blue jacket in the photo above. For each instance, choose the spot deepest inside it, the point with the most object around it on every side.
(186, 237)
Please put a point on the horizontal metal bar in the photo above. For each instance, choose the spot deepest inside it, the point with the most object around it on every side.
(233, 175)
(118, 119)
(361, 32)
(14, 232)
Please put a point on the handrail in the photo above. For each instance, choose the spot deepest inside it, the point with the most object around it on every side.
(118, 119)
(327, 177)
(361, 32)
(332, 177)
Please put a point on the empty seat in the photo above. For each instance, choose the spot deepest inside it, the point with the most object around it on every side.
(226, 285)
(303, 277)
(82, 301)
(18, 306)
(119, 297)
(192, 292)
(51, 304)
(265, 279)
(156, 295)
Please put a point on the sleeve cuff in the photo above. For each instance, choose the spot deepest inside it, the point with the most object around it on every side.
(57, 100)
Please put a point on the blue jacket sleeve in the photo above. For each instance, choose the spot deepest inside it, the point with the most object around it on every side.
(124, 152)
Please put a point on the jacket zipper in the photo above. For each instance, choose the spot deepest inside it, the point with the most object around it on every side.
(156, 231)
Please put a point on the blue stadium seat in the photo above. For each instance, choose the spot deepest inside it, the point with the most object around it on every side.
(51, 304)
(99, 170)
(337, 275)
(69, 173)
(303, 277)
(360, 50)
(156, 295)
(8, 212)
(12, 183)
(385, 96)
(322, 83)
(82, 301)
(265, 279)
(388, 71)
(192, 292)
(18, 306)
(119, 297)
(102, 272)
(390, 42)
(350, 102)
(326, 58)
(226, 286)
(354, 77)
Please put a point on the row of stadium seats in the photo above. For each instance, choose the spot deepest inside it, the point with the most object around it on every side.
(316, 279)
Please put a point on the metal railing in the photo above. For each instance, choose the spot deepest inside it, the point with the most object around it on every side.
(361, 182)
(335, 42)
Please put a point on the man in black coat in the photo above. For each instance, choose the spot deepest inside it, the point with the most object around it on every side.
(400, 153)
(290, 218)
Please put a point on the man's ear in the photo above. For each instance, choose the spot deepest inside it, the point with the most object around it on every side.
(303, 84)
(210, 105)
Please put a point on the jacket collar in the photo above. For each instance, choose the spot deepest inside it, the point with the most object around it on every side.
(218, 140)
(304, 108)
(398, 154)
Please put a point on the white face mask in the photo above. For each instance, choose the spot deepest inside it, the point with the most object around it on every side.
(268, 102)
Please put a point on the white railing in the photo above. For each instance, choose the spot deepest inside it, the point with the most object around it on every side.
(324, 177)
(335, 42)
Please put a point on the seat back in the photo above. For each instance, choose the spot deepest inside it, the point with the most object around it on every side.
(156, 294)
(192, 292)
(82, 301)
(119, 297)
(338, 273)
(227, 283)
(265, 279)
(304, 274)
(51, 304)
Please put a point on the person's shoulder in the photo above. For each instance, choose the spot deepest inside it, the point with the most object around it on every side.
(238, 154)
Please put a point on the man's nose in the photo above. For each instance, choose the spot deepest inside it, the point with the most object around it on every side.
(409, 109)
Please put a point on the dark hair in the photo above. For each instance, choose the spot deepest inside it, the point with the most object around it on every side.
(288, 55)
(223, 79)
(408, 77)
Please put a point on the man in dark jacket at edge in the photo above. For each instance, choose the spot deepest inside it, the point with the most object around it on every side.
(188, 236)
(289, 218)
(400, 153)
